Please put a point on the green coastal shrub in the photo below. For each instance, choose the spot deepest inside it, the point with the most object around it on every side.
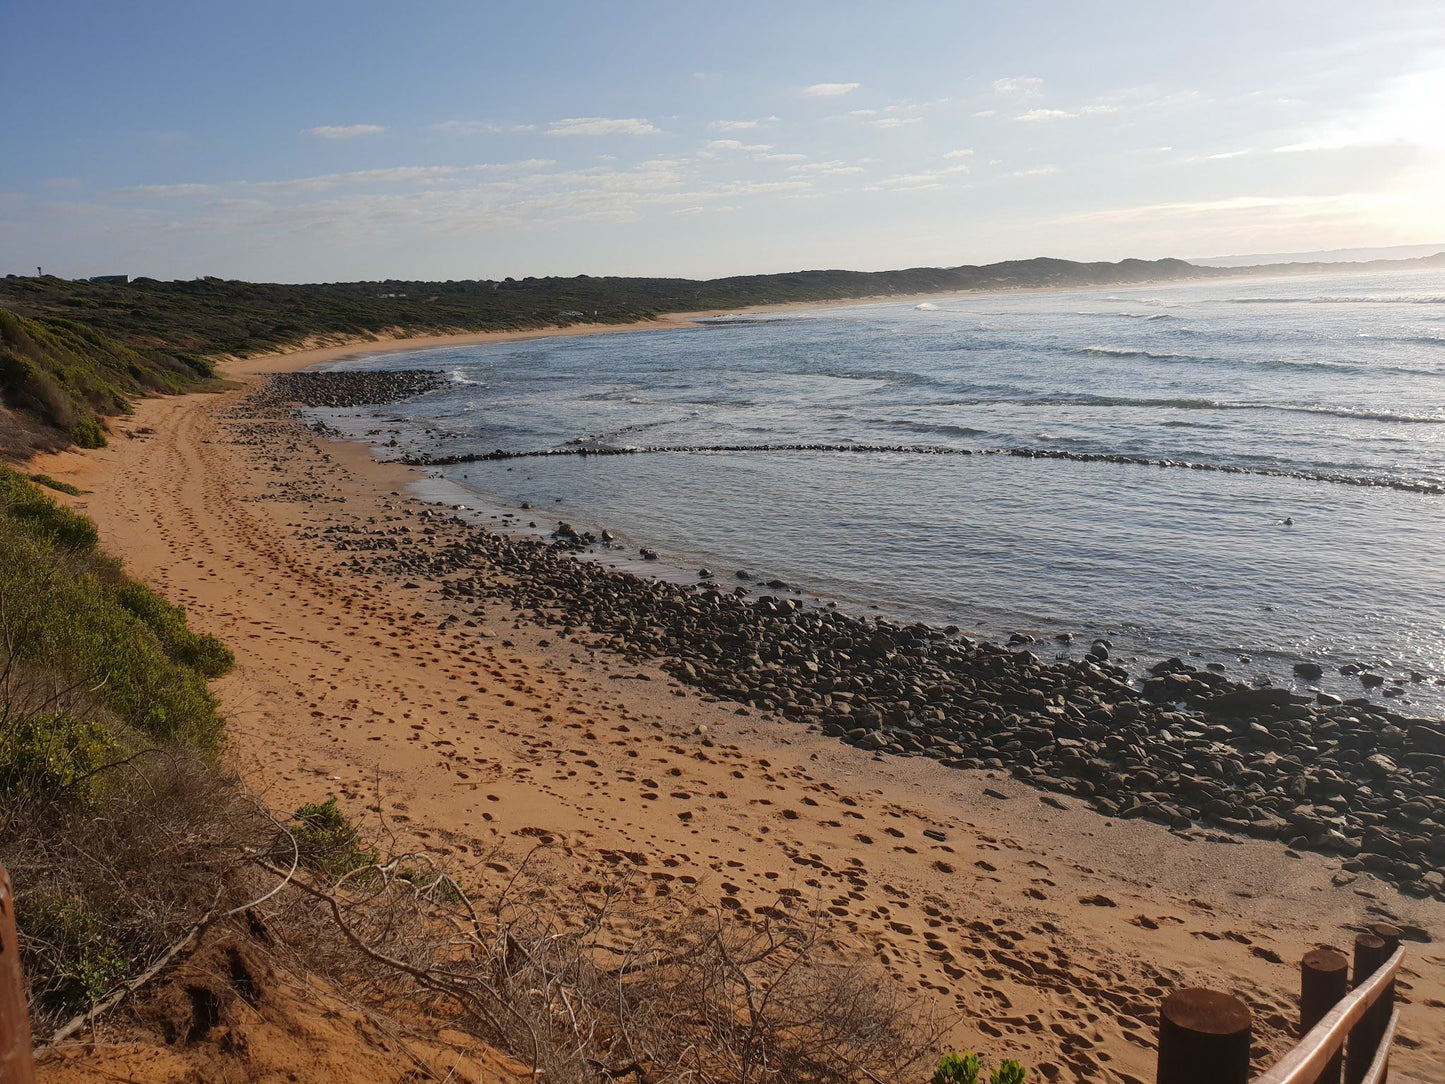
(87, 433)
(55, 484)
(85, 961)
(328, 841)
(50, 755)
(204, 368)
(22, 502)
(109, 863)
(955, 1068)
(202, 652)
(67, 611)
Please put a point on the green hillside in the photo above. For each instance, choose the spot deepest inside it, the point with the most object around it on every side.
(215, 316)
(62, 375)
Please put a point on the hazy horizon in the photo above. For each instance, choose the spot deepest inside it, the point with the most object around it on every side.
(319, 142)
(1243, 262)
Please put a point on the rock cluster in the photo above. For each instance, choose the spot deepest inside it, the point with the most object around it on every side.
(349, 389)
(1184, 747)
(583, 450)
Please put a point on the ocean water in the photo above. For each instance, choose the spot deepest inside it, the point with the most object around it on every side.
(1323, 397)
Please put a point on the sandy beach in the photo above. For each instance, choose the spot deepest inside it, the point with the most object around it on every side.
(1038, 928)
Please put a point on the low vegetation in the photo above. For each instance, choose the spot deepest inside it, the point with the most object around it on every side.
(55, 484)
(65, 375)
(109, 795)
(71, 619)
(965, 1068)
(592, 982)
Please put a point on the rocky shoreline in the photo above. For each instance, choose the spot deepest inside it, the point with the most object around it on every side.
(349, 388)
(1183, 747)
(345, 389)
(1333, 478)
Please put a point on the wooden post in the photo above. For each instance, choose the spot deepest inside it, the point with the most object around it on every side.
(1204, 1038)
(1324, 980)
(1370, 953)
(17, 1065)
(1385, 1007)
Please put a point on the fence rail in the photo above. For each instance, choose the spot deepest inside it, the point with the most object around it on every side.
(1345, 1037)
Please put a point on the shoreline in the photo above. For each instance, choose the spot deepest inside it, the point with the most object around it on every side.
(984, 698)
(327, 348)
(317, 352)
(262, 529)
(1406, 678)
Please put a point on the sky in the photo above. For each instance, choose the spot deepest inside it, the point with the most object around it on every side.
(442, 139)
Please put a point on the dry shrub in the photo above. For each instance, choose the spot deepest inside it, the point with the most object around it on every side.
(586, 991)
(117, 847)
(104, 887)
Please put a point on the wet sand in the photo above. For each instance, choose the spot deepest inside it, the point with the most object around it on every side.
(1043, 930)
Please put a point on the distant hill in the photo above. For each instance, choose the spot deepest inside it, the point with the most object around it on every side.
(71, 352)
(215, 316)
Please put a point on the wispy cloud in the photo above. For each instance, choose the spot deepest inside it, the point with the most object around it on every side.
(480, 127)
(445, 200)
(961, 152)
(716, 148)
(601, 126)
(1402, 113)
(901, 115)
(1045, 114)
(1019, 86)
(830, 90)
(824, 169)
(359, 178)
(723, 146)
(1065, 114)
(917, 181)
(1296, 206)
(171, 191)
(343, 131)
(698, 209)
(741, 125)
(1035, 171)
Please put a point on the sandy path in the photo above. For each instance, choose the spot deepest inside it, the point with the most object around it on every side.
(1050, 931)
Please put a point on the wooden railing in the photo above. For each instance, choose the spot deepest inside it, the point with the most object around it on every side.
(1345, 1035)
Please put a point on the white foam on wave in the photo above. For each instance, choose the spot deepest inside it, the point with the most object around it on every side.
(1132, 352)
(926, 306)
(1407, 299)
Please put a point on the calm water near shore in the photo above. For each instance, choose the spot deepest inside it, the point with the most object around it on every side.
(1339, 377)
